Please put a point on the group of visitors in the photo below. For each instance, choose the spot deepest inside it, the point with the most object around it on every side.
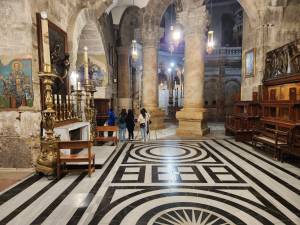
(127, 121)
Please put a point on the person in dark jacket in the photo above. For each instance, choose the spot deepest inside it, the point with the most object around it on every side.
(122, 124)
(130, 124)
(111, 121)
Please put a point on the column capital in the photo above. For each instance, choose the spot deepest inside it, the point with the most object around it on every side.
(151, 37)
(194, 20)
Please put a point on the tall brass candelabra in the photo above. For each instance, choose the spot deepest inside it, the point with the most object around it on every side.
(90, 112)
(46, 161)
(78, 104)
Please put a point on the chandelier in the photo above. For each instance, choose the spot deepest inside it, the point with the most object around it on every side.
(134, 50)
(175, 30)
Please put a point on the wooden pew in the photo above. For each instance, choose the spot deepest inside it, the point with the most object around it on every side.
(75, 145)
(100, 134)
(272, 138)
(293, 147)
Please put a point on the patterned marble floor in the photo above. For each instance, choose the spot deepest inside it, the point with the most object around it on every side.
(208, 182)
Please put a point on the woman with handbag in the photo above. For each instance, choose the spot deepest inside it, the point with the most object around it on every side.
(143, 121)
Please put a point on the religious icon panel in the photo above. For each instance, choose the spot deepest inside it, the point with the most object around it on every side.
(16, 84)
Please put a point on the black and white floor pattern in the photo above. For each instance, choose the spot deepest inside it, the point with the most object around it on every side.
(209, 182)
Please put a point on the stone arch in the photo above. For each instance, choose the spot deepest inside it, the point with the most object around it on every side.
(77, 21)
(233, 80)
(154, 11)
(90, 37)
(232, 87)
(131, 20)
(210, 92)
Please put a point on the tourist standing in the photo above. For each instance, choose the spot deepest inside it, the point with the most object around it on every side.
(122, 125)
(148, 121)
(130, 124)
(143, 121)
(111, 121)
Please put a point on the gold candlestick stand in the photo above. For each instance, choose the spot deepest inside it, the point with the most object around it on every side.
(46, 161)
(78, 104)
(90, 112)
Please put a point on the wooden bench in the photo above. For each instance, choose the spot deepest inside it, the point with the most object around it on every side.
(100, 134)
(293, 147)
(275, 139)
(66, 158)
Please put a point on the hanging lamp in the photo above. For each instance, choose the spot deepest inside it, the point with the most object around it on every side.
(210, 35)
(176, 31)
(172, 47)
(134, 50)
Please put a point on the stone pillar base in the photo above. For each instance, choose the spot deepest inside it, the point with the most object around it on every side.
(124, 103)
(192, 123)
(157, 119)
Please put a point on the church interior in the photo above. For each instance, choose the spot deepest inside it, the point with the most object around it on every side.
(150, 112)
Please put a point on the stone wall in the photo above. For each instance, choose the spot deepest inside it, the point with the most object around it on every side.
(278, 24)
(20, 128)
(109, 42)
(19, 138)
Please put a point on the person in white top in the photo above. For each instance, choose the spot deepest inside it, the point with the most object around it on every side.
(143, 120)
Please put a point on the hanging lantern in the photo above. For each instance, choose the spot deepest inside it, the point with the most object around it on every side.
(210, 42)
(176, 34)
(134, 51)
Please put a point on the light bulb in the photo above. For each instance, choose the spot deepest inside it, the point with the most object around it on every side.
(210, 42)
(44, 15)
(176, 35)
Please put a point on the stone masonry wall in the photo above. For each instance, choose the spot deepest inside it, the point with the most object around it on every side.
(20, 132)
(278, 25)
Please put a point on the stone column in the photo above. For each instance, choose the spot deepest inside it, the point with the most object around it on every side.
(124, 79)
(191, 117)
(150, 77)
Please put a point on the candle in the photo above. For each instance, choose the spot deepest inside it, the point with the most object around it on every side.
(55, 99)
(59, 99)
(45, 42)
(78, 86)
(86, 65)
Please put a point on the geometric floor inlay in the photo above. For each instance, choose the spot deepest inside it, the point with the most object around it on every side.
(205, 182)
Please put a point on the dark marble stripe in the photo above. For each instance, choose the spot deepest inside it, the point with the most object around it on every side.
(287, 185)
(150, 146)
(106, 204)
(263, 159)
(6, 196)
(22, 207)
(80, 211)
(43, 216)
(122, 214)
(257, 181)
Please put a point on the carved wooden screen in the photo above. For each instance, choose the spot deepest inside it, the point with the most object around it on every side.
(283, 62)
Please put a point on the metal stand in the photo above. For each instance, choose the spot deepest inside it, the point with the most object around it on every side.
(46, 162)
(90, 112)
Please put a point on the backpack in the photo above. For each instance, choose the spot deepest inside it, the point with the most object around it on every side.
(122, 122)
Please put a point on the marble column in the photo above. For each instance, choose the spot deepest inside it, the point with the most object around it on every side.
(191, 118)
(150, 77)
(124, 79)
